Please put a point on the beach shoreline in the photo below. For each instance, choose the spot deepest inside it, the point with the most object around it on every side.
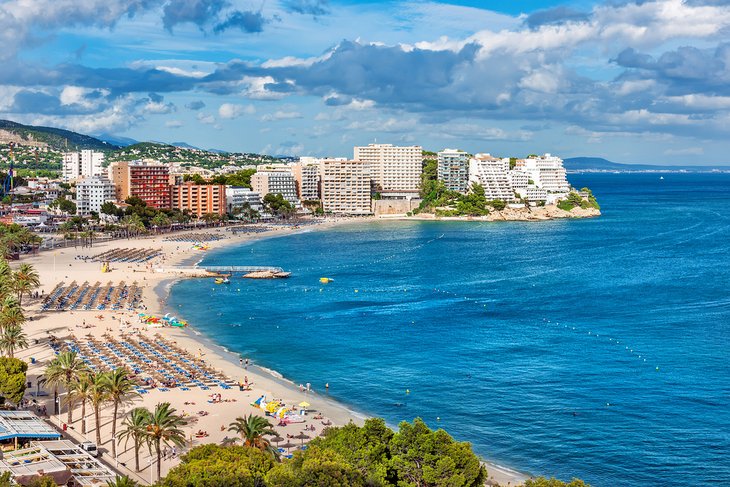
(155, 294)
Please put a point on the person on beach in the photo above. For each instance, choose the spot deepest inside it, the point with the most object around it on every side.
(246, 366)
(240, 361)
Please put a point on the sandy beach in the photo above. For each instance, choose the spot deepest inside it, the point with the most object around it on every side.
(154, 279)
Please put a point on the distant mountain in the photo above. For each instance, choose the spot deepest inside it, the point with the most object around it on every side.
(117, 140)
(591, 163)
(579, 164)
(185, 145)
(51, 137)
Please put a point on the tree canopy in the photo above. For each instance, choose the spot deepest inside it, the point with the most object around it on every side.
(12, 379)
(214, 465)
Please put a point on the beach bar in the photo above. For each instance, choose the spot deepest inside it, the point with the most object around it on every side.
(64, 461)
(17, 425)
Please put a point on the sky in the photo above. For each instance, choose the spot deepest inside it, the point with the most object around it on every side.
(643, 81)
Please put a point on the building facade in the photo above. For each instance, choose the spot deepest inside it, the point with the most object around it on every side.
(492, 174)
(199, 199)
(547, 172)
(394, 171)
(307, 178)
(92, 192)
(83, 164)
(238, 196)
(145, 180)
(346, 187)
(453, 170)
(276, 179)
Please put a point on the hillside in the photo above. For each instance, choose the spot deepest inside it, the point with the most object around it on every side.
(186, 155)
(42, 148)
(597, 164)
(49, 137)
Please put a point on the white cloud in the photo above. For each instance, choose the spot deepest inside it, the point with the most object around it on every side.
(205, 118)
(173, 124)
(159, 108)
(280, 115)
(229, 111)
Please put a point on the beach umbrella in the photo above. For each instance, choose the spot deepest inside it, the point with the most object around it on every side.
(304, 404)
(302, 436)
(288, 445)
(277, 439)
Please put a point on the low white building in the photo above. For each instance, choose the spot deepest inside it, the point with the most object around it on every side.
(533, 194)
(93, 192)
(237, 196)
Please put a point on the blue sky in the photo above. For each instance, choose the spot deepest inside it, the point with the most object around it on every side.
(644, 81)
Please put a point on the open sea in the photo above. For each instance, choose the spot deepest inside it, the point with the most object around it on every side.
(594, 348)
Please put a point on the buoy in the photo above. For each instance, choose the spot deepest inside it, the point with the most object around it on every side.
(357, 291)
(657, 368)
(438, 418)
(408, 391)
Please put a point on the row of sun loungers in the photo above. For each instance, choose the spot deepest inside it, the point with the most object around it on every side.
(195, 237)
(153, 363)
(93, 297)
(127, 255)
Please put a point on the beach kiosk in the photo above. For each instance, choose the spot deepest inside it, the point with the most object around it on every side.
(24, 426)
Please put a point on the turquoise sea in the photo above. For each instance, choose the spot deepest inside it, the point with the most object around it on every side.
(591, 348)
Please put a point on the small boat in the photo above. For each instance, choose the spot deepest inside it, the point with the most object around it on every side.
(661, 177)
(325, 280)
(222, 280)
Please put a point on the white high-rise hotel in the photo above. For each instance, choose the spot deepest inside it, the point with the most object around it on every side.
(394, 171)
(346, 187)
(82, 164)
(493, 175)
(547, 172)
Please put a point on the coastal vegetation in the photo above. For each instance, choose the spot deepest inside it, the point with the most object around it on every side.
(443, 202)
(371, 455)
(583, 199)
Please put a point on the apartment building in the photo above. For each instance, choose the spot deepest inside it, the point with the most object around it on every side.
(453, 169)
(346, 187)
(149, 181)
(237, 196)
(199, 199)
(276, 179)
(519, 179)
(492, 174)
(92, 193)
(394, 171)
(547, 172)
(83, 164)
(307, 178)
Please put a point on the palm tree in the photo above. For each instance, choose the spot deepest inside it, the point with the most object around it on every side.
(6, 278)
(135, 428)
(25, 280)
(64, 370)
(12, 338)
(123, 481)
(98, 395)
(12, 317)
(81, 392)
(252, 429)
(163, 426)
(120, 389)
